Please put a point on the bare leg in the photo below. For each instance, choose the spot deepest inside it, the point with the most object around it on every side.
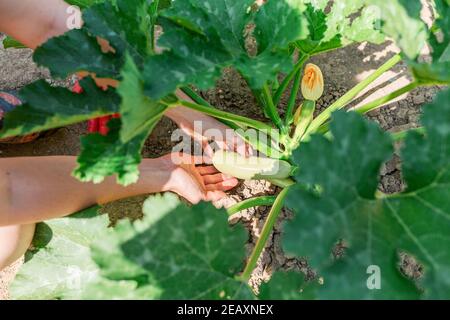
(14, 242)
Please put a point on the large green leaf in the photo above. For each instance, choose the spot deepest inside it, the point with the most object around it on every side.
(137, 110)
(286, 286)
(102, 156)
(175, 252)
(401, 21)
(59, 263)
(337, 27)
(336, 202)
(202, 37)
(47, 107)
(120, 151)
(125, 25)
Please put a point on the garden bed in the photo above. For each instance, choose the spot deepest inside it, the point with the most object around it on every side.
(342, 69)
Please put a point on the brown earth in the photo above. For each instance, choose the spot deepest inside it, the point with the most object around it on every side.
(342, 70)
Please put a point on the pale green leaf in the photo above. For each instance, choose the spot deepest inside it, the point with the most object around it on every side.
(175, 252)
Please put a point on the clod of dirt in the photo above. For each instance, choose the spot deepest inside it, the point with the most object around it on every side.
(130, 208)
(410, 267)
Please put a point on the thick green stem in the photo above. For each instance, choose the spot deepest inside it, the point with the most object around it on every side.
(265, 233)
(223, 115)
(397, 136)
(272, 109)
(250, 203)
(285, 83)
(383, 100)
(195, 96)
(306, 117)
(293, 98)
(346, 98)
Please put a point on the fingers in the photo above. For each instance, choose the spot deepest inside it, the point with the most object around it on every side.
(215, 178)
(223, 185)
(214, 196)
(204, 170)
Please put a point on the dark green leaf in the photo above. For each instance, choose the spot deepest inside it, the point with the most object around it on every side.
(125, 26)
(336, 202)
(202, 37)
(47, 107)
(103, 156)
(137, 110)
(285, 286)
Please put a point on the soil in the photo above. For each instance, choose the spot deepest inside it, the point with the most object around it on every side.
(342, 70)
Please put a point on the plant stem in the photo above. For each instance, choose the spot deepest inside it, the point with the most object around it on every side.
(223, 115)
(397, 136)
(258, 145)
(195, 96)
(285, 83)
(346, 98)
(383, 100)
(250, 203)
(271, 109)
(324, 128)
(306, 117)
(198, 99)
(293, 98)
(265, 233)
(154, 16)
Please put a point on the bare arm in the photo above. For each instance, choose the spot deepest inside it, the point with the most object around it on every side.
(32, 22)
(40, 188)
(36, 189)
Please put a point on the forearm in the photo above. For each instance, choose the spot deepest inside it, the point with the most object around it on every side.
(32, 22)
(37, 189)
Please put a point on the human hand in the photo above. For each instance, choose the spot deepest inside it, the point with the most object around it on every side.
(192, 181)
(204, 129)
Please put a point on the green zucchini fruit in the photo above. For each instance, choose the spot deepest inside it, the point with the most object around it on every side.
(235, 165)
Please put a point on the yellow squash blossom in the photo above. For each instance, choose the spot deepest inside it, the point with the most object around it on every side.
(312, 82)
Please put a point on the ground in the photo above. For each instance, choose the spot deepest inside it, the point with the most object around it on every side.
(342, 69)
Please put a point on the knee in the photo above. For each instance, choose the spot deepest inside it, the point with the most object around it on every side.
(15, 241)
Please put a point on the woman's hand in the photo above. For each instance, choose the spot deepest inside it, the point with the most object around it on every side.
(204, 129)
(182, 174)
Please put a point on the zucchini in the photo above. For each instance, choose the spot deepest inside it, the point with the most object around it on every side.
(234, 164)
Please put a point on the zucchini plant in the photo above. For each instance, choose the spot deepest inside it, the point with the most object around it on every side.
(327, 166)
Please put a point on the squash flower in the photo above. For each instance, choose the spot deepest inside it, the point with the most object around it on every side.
(312, 82)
